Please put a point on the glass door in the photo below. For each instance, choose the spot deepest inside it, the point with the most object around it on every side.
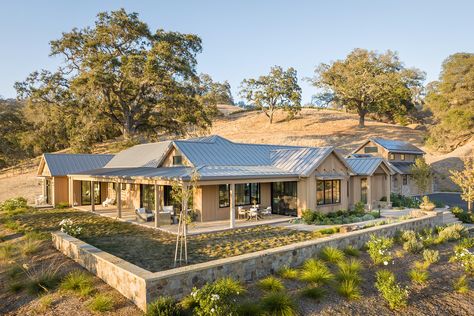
(147, 196)
(86, 193)
(284, 198)
(48, 191)
(363, 190)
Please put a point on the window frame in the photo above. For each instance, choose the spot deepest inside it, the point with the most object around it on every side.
(402, 157)
(247, 193)
(220, 196)
(391, 156)
(371, 149)
(334, 198)
(405, 179)
(177, 160)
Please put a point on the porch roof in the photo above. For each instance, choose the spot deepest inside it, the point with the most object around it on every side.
(366, 166)
(206, 173)
(402, 167)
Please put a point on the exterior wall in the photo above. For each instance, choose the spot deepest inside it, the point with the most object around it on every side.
(61, 190)
(168, 161)
(143, 287)
(265, 194)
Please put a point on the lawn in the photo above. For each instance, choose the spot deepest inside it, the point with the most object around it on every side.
(151, 249)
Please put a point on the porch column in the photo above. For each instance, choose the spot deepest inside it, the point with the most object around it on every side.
(388, 184)
(369, 192)
(157, 203)
(71, 191)
(118, 197)
(232, 205)
(92, 197)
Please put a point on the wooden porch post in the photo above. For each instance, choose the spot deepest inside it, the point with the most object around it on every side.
(118, 197)
(92, 197)
(71, 191)
(369, 192)
(232, 205)
(157, 203)
(388, 184)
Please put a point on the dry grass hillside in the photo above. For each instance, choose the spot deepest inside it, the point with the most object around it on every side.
(311, 128)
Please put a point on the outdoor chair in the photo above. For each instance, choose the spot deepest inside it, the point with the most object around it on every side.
(253, 213)
(108, 201)
(267, 211)
(241, 212)
(144, 215)
(40, 200)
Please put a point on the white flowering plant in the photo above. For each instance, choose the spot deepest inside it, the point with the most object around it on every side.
(218, 298)
(379, 249)
(395, 294)
(465, 257)
(69, 227)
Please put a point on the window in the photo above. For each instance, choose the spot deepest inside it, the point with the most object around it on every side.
(147, 196)
(369, 150)
(391, 157)
(284, 198)
(224, 195)
(402, 156)
(328, 192)
(247, 194)
(363, 190)
(86, 193)
(124, 186)
(177, 160)
(405, 179)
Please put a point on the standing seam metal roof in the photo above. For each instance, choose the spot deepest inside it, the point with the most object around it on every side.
(64, 164)
(397, 146)
(364, 166)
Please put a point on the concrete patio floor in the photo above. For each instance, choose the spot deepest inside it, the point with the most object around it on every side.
(195, 228)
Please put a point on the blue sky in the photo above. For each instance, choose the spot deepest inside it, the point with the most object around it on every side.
(243, 39)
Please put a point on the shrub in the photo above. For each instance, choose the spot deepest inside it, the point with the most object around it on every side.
(349, 289)
(249, 309)
(352, 251)
(69, 227)
(462, 215)
(78, 282)
(331, 254)
(431, 256)
(465, 258)
(270, 284)
(427, 204)
(408, 235)
(467, 242)
(7, 252)
(278, 304)
(164, 306)
(461, 285)
(421, 265)
(216, 298)
(13, 204)
(42, 282)
(14, 272)
(453, 232)
(101, 303)
(359, 207)
(349, 271)
(310, 216)
(313, 292)
(15, 287)
(413, 245)
(12, 225)
(288, 273)
(391, 291)
(315, 271)
(399, 200)
(29, 247)
(418, 276)
(378, 249)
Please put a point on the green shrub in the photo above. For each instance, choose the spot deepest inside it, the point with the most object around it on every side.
(101, 303)
(313, 292)
(352, 251)
(62, 205)
(413, 245)
(349, 271)
(408, 235)
(15, 287)
(465, 258)
(78, 282)
(278, 304)
(359, 207)
(164, 306)
(349, 289)
(418, 276)
(453, 232)
(391, 291)
(331, 254)
(12, 225)
(270, 284)
(463, 215)
(13, 204)
(315, 271)
(399, 200)
(288, 273)
(467, 242)
(378, 249)
(249, 308)
(216, 298)
(14, 272)
(7, 252)
(461, 285)
(309, 216)
(34, 235)
(431, 256)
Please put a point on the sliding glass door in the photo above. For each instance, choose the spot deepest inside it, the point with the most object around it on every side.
(147, 196)
(284, 198)
(86, 193)
(48, 189)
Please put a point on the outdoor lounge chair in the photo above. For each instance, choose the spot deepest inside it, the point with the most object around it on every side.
(144, 215)
(253, 213)
(267, 211)
(241, 212)
(108, 201)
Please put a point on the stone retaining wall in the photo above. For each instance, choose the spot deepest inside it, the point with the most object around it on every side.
(143, 287)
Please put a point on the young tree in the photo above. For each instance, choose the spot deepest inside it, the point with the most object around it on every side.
(421, 174)
(138, 79)
(368, 82)
(277, 90)
(465, 180)
(451, 101)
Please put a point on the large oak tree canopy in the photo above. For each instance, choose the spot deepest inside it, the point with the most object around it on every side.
(142, 81)
(368, 82)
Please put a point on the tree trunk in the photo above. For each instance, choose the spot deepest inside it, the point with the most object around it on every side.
(361, 120)
(127, 130)
(271, 117)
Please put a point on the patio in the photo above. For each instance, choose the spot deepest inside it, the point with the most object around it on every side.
(195, 228)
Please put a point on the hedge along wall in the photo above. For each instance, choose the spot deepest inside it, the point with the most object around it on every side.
(143, 287)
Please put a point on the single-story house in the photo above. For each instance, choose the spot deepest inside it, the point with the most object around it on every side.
(285, 179)
(54, 168)
(400, 156)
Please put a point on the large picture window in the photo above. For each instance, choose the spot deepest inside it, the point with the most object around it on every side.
(86, 193)
(247, 194)
(147, 196)
(224, 195)
(328, 192)
(284, 198)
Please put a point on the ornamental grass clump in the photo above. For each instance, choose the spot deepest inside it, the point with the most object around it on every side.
(270, 284)
(164, 306)
(351, 251)
(461, 285)
(278, 304)
(331, 254)
(349, 289)
(395, 295)
(349, 271)
(418, 276)
(431, 256)
(453, 232)
(313, 292)
(101, 303)
(217, 298)
(78, 282)
(288, 273)
(378, 249)
(315, 271)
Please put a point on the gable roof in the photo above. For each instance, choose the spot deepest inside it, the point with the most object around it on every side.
(64, 164)
(366, 166)
(144, 155)
(395, 146)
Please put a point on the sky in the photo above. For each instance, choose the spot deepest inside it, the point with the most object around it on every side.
(243, 39)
